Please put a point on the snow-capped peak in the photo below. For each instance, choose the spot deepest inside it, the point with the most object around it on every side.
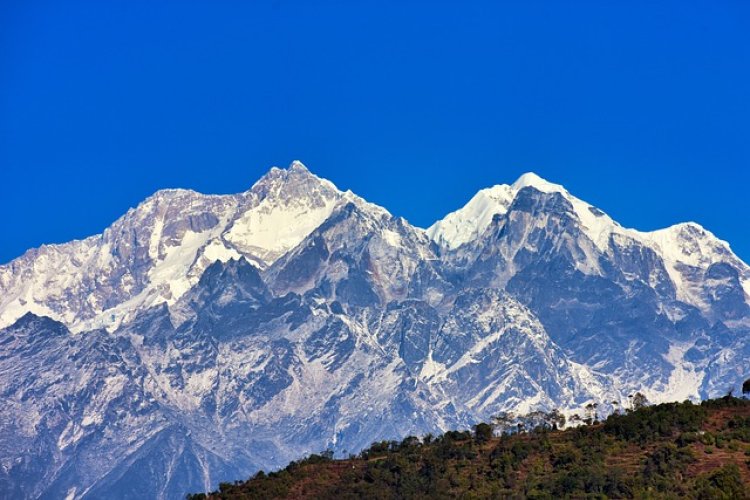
(285, 206)
(296, 177)
(465, 224)
(159, 249)
(530, 179)
(682, 247)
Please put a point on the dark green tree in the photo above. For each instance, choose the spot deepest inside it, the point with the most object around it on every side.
(482, 432)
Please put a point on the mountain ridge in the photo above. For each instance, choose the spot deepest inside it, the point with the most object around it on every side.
(223, 246)
(296, 317)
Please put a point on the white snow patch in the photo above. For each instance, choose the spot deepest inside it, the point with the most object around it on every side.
(392, 238)
(217, 250)
(465, 224)
(270, 230)
(684, 381)
(431, 369)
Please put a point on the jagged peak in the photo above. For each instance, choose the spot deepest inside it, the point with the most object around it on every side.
(39, 321)
(686, 242)
(295, 169)
(295, 174)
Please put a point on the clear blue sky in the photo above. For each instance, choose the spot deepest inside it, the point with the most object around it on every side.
(642, 108)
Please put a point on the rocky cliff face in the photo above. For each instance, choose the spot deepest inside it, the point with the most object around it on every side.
(202, 337)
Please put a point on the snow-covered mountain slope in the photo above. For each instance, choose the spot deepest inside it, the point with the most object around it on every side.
(470, 221)
(290, 204)
(466, 224)
(202, 337)
(158, 250)
(144, 257)
(625, 302)
(694, 258)
(253, 379)
(687, 249)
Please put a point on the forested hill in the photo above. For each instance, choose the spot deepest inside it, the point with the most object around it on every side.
(665, 451)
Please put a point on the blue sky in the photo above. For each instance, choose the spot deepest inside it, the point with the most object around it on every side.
(641, 108)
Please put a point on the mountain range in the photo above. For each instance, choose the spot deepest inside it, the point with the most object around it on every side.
(200, 338)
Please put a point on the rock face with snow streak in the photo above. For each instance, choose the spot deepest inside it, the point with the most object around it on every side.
(200, 338)
(158, 250)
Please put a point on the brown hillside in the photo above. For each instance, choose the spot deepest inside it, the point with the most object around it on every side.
(676, 450)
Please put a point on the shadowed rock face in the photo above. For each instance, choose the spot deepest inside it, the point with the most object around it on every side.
(201, 338)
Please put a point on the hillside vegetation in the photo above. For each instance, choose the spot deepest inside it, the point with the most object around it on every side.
(674, 450)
